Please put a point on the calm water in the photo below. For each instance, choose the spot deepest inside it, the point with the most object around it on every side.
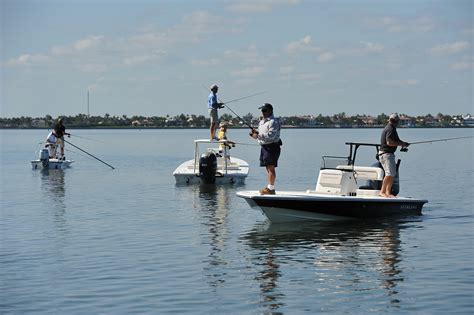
(92, 240)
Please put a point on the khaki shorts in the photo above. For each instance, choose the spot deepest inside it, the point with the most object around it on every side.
(388, 163)
(213, 115)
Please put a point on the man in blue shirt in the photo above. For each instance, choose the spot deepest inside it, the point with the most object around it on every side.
(213, 104)
(268, 136)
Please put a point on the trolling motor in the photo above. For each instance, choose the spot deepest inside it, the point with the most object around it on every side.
(208, 167)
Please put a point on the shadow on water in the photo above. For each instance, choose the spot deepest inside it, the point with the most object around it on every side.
(340, 255)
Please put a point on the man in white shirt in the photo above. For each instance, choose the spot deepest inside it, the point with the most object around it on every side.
(268, 136)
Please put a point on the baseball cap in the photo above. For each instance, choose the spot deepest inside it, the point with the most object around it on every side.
(266, 106)
(394, 116)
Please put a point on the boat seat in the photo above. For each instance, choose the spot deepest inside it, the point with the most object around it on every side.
(364, 172)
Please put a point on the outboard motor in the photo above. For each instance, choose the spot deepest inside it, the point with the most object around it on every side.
(44, 157)
(208, 167)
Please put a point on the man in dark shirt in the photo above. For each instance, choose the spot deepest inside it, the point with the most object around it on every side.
(389, 141)
(60, 131)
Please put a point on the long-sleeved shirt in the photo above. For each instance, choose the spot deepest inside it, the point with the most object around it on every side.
(212, 101)
(269, 130)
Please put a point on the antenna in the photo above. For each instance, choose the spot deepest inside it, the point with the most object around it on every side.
(88, 116)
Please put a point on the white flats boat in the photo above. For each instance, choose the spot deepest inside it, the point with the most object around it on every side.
(213, 166)
(337, 195)
(44, 162)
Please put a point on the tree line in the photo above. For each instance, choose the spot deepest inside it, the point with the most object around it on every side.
(201, 121)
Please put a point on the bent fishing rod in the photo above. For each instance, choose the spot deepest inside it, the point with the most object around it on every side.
(89, 154)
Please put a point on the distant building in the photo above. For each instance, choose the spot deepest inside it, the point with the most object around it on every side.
(468, 120)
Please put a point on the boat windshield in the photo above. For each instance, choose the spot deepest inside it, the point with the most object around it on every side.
(332, 162)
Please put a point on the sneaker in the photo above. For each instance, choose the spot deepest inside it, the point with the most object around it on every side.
(266, 191)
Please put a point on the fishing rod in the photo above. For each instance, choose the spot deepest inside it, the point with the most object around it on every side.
(239, 117)
(437, 140)
(89, 154)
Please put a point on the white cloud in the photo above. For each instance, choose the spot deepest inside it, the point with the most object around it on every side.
(79, 46)
(245, 57)
(285, 70)
(302, 45)
(364, 49)
(28, 60)
(401, 83)
(451, 48)
(258, 6)
(463, 65)
(326, 57)
(92, 67)
(92, 87)
(308, 78)
(392, 24)
(206, 62)
(248, 72)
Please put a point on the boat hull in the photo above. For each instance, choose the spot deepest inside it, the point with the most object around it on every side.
(301, 206)
(191, 179)
(54, 164)
(188, 174)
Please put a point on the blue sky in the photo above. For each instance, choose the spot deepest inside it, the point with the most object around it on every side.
(158, 57)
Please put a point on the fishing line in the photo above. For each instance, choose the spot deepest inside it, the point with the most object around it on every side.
(86, 138)
(75, 152)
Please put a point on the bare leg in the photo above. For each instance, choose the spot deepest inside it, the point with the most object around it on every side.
(271, 174)
(386, 190)
(213, 130)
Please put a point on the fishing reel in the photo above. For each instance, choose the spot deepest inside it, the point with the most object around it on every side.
(404, 149)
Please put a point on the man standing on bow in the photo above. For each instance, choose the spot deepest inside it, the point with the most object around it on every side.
(268, 136)
(213, 105)
(60, 131)
(389, 141)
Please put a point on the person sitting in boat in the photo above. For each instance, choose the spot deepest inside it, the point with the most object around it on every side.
(389, 141)
(60, 130)
(51, 142)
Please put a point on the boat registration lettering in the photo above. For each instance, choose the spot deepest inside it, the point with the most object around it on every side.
(408, 207)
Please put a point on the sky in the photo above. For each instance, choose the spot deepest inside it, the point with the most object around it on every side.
(310, 57)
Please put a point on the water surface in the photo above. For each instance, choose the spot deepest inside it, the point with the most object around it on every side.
(94, 240)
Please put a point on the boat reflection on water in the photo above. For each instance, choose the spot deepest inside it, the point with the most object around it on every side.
(212, 204)
(342, 261)
(53, 183)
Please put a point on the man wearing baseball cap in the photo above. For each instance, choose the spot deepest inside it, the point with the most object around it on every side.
(268, 136)
(213, 104)
(389, 141)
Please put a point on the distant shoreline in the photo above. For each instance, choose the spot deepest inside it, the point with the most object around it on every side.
(207, 128)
